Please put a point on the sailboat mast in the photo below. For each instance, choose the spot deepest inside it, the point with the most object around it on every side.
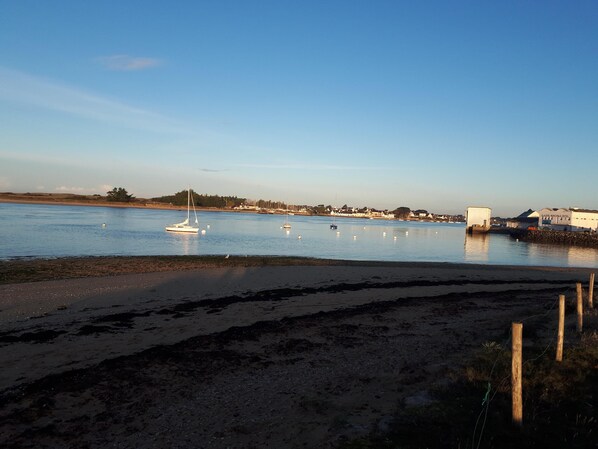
(188, 202)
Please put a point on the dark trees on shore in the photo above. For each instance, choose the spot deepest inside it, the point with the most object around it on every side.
(180, 199)
(119, 195)
(402, 212)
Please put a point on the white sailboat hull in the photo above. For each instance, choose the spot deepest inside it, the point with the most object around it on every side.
(182, 229)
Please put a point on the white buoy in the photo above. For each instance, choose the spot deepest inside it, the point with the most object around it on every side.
(208, 226)
(103, 225)
(354, 237)
(299, 237)
(384, 234)
(203, 232)
(395, 237)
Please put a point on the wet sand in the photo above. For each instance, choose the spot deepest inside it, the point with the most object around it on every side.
(241, 353)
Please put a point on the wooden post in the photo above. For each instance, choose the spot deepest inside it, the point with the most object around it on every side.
(579, 308)
(561, 333)
(517, 332)
(591, 292)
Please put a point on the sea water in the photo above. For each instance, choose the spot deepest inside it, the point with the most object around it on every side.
(48, 231)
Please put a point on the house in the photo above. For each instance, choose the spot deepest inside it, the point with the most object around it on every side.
(525, 220)
(418, 214)
(478, 219)
(571, 219)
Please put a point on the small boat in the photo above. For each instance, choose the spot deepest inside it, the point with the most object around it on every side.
(184, 227)
(286, 224)
(333, 224)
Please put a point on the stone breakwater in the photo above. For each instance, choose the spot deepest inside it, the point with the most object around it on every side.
(558, 237)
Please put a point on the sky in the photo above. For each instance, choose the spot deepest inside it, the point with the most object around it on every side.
(432, 105)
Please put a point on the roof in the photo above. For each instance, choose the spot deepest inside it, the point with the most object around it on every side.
(587, 211)
(525, 214)
(572, 209)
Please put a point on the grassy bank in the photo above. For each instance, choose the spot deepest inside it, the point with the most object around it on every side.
(474, 410)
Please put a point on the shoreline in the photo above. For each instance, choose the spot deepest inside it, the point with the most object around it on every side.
(284, 352)
(24, 270)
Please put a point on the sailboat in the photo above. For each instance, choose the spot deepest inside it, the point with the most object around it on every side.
(184, 227)
(286, 224)
(333, 224)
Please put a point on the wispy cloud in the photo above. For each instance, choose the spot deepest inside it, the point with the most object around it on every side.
(84, 190)
(26, 89)
(213, 170)
(310, 167)
(70, 189)
(126, 63)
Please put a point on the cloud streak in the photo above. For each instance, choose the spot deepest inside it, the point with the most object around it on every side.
(23, 88)
(83, 190)
(310, 167)
(126, 63)
(213, 170)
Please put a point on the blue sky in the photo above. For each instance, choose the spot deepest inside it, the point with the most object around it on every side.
(435, 105)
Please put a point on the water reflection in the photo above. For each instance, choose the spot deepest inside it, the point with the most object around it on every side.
(476, 247)
(574, 255)
(582, 256)
(186, 243)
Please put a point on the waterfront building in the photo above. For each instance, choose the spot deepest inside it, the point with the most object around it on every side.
(478, 219)
(572, 219)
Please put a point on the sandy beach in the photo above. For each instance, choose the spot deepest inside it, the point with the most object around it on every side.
(172, 352)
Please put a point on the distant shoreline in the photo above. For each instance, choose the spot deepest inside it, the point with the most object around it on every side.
(70, 199)
(139, 203)
(60, 200)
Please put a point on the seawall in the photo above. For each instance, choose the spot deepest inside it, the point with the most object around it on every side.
(557, 237)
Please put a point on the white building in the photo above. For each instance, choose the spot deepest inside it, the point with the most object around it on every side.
(478, 219)
(572, 219)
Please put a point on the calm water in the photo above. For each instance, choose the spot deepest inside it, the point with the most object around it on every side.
(42, 231)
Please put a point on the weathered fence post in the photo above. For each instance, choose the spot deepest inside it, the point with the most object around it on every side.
(579, 308)
(561, 332)
(516, 349)
(591, 292)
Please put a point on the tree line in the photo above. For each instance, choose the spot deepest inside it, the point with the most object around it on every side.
(180, 199)
(119, 194)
